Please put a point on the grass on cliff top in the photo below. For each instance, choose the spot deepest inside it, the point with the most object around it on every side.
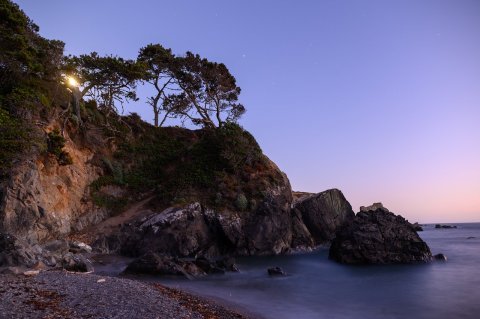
(220, 168)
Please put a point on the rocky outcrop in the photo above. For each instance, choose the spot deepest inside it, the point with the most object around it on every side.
(374, 206)
(379, 237)
(194, 230)
(57, 253)
(162, 265)
(322, 214)
(417, 227)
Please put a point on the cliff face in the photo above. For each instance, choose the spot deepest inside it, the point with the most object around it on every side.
(197, 230)
(204, 199)
(323, 214)
(44, 200)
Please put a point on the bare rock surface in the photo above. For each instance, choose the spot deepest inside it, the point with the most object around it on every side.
(322, 214)
(379, 237)
(194, 230)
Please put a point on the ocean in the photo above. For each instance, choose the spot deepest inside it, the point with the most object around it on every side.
(319, 288)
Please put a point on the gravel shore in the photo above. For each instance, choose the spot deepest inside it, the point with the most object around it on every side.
(60, 294)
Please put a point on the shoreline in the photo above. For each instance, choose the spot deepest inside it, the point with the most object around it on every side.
(61, 294)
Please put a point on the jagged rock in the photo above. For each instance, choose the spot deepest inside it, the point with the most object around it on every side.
(15, 252)
(301, 237)
(76, 263)
(417, 227)
(208, 266)
(194, 230)
(79, 247)
(57, 246)
(440, 257)
(373, 207)
(227, 263)
(42, 200)
(154, 264)
(322, 214)
(378, 237)
(276, 271)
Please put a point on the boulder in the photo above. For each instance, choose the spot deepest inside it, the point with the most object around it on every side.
(322, 214)
(76, 263)
(378, 237)
(440, 257)
(17, 252)
(79, 247)
(276, 271)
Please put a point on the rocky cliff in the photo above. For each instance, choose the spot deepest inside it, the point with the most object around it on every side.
(322, 214)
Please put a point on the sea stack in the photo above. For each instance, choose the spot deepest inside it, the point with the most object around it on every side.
(377, 236)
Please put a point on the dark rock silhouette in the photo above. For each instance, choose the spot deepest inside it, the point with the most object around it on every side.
(322, 214)
(440, 257)
(378, 237)
(276, 271)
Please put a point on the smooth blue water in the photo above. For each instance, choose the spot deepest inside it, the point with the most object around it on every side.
(320, 288)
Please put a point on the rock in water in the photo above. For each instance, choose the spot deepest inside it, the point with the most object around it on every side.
(276, 271)
(379, 237)
(155, 264)
(440, 257)
(444, 226)
(323, 214)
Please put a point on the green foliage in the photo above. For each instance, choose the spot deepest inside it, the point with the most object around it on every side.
(241, 202)
(14, 139)
(55, 145)
(106, 79)
(238, 147)
(207, 165)
(25, 55)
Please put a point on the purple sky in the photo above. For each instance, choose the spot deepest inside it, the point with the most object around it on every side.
(380, 99)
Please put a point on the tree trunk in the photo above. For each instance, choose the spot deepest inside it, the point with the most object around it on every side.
(155, 118)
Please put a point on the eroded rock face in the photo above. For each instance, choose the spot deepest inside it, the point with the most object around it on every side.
(379, 237)
(44, 200)
(322, 214)
(196, 231)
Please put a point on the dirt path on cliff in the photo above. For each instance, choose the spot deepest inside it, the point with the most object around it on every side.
(113, 223)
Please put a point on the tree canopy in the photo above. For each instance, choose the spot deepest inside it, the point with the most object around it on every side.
(24, 55)
(107, 79)
(209, 92)
(158, 63)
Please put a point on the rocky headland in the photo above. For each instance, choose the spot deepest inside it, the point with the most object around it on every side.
(77, 178)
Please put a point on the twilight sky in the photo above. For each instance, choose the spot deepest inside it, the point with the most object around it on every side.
(380, 99)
